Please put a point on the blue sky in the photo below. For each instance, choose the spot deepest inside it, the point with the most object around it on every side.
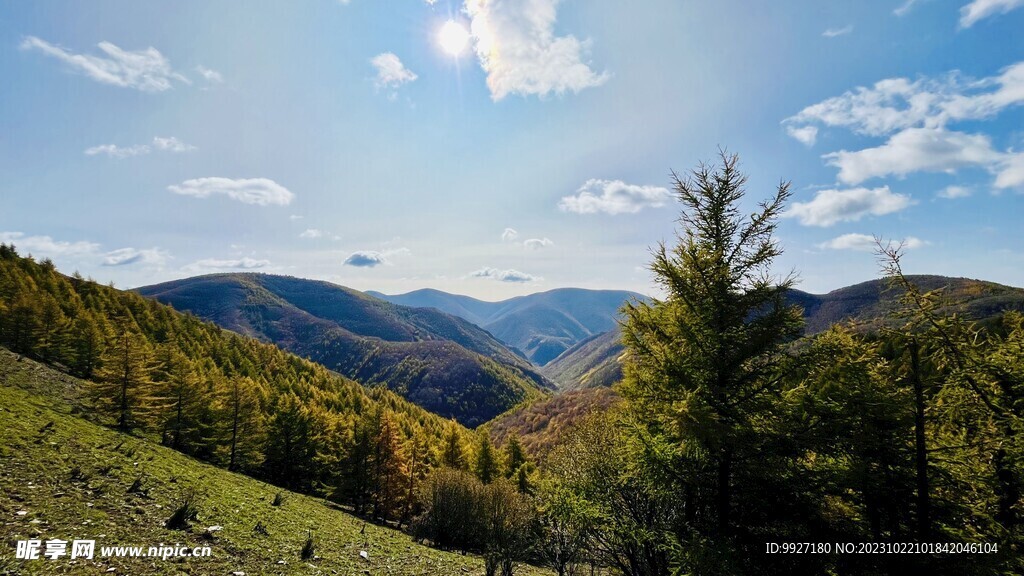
(141, 142)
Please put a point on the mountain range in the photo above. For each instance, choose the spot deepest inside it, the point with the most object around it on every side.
(436, 360)
(594, 362)
(471, 359)
(542, 326)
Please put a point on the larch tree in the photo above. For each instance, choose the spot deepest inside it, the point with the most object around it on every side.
(242, 417)
(701, 362)
(486, 467)
(453, 455)
(125, 388)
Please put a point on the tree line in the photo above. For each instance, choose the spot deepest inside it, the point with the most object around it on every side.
(736, 431)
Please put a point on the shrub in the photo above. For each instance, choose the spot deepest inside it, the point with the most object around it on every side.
(186, 512)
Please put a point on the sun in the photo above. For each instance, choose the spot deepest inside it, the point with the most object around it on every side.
(453, 38)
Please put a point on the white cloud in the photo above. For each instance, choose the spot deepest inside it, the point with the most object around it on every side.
(211, 76)
(614, 197)
(372, 258)
(915, 150)
(833, 32)
(259, 191)
(832, 206)
(146, 70)
(365, 259)
(509, 235)
(951, 192)
(865, 243)
(391, 73)
(229, 264)
(895, 104)
(169, 144)
(311, 233)
(294, 217)
(126, 256)
(1011, 172)
(807, 135)
(904, 8)
(517, 47)
(504, 275)
(537, 243)
(119, 152)
(977, 10)
(47, 246)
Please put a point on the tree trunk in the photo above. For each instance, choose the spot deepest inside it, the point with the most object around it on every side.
(920, 448)
(234, 433)
(724, 491)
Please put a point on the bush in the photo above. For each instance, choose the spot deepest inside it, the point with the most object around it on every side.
(308, 548)
(186, 512)
(449, 520)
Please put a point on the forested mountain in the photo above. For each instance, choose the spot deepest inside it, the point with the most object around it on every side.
(225, 398)
(594, 362)
(436, 360)
(68, 476)
(541, 325)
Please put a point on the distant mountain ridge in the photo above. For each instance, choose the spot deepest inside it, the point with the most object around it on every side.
(594, 362)
(542, 325)
(436, 360)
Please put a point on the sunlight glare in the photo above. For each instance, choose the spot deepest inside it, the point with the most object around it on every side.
(453, 38)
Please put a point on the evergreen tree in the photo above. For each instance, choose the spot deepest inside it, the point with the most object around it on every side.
(242, 414)
(703, 365)
(85, 344)
(51, 326)
(453, 455)
(420, 463)
(356, 479)
(124, 387)
(486, 466)
(390, 470)
(515, 457)
(291, 444)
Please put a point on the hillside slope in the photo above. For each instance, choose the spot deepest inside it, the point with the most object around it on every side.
(594, 362)
(542, 325)
(62, 477)
(438, 361)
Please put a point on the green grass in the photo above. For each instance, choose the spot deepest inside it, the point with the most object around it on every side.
(72, 478)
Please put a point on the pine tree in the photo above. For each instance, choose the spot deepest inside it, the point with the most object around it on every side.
(701, 364)
(52, 322)
(390, 470)
(356, 479)
(291, 445)
(453, 455)
(85, 344)
(124, 387)
(242, 417)
(486, 466)
(515, 457)
(420, 463)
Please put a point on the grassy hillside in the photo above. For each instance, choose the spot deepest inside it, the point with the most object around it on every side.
(438, 361)
(224, 398)
(72, 479)
(542, 325)
(593, 362)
